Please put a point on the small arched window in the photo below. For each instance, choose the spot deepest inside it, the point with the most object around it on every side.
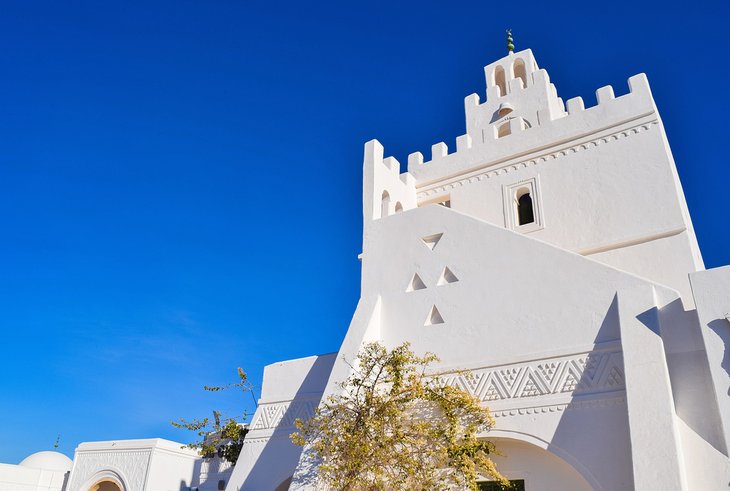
(384, 204)
(500, 80)
(520, 71)
(398, 207)
(525, 213)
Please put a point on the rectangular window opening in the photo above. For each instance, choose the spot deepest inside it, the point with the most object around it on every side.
(515, 485)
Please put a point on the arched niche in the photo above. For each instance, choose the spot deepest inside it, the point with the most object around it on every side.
(500, 80)
(546, 465)
(520, 71)
(384, 204)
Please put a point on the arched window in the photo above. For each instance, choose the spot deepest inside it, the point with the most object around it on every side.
(525, 213)
(398, 207)
(384, 204)
(500, 80)
(520, 71)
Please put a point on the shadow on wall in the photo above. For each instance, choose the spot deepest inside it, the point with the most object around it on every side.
(197, 469)
(721, 327)
(276, 447)
(592, 445)
(689, 370)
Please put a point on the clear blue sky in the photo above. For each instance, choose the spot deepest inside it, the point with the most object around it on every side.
(180, 181)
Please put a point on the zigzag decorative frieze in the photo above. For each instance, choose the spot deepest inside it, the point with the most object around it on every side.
(487, 174)
(585, 373)
(282, 414)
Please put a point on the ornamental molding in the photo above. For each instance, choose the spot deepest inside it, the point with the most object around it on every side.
(538, 386)
(556, 408)
(214, 467)
(588, 373)
(131, 466)
(256, 441)
(488, 174)
(281, 415)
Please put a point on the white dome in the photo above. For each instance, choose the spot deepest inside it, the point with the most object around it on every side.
(52, 461)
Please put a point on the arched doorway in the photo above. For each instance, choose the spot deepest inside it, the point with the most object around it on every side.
(106, 485)
(539, 469)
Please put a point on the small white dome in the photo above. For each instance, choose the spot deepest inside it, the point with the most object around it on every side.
(52, 461)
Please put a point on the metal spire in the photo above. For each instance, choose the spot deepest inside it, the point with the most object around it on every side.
(510, 42)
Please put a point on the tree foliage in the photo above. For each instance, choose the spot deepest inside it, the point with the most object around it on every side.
(221, 436)
(395, 427)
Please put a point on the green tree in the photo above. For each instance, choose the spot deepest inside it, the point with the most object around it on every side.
(222, 436)
(394, 426)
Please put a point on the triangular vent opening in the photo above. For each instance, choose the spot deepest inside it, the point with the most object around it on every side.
(431, 240)
(434, 317)
(416, 283)
(447, 276)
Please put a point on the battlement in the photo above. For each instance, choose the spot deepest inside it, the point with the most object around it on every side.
(516, 124)
(385, 190)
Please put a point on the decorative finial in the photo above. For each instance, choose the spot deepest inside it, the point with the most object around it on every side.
(510, 42)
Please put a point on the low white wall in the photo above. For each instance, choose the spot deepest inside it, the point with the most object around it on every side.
(17, 478)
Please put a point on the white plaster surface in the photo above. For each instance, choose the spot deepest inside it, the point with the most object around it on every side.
(41, 471)
(19, 478)
(712, 293)
(291, 389)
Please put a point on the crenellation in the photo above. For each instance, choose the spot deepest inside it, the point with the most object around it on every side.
(639, 84)
(415, 159)
(555, 119)
(385, 190)
(494, 93)
(439, 151)
(541, 78)
(471, 101)
(463, 143)
(575, 105)
(605, 94)
(392, 164)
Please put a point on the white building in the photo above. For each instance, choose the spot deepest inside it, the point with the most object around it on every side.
(41, 471)
(553, 255)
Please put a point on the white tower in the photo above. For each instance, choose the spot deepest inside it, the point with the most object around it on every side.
(551, 254)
